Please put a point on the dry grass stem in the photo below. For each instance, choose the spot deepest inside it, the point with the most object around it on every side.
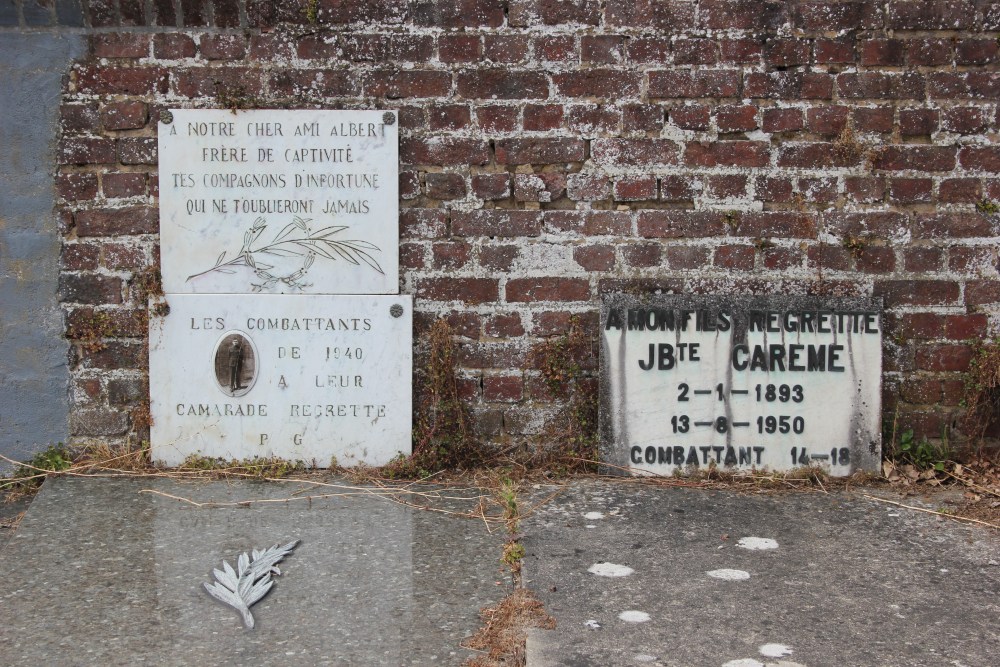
(936, 513)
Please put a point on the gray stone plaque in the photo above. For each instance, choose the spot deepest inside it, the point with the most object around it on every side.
(740, 383)
(305, 377)
(279, 201)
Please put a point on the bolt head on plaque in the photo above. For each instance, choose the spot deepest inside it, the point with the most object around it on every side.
(396, 310)
(389, 118)
(166, 117)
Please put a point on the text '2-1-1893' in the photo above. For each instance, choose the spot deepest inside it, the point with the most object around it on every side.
(740, 383)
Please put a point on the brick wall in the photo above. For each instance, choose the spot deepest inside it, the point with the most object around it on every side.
(552, 151)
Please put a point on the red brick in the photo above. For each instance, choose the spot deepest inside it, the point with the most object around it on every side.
(976, 51)
(788, 85)
(875, 259)
(736, 118)
(554, 12)
(735, 257)
(214, 81)
(971, 259)
(632, 152)
(173, 46)
(920, 391)
(449, 117)
(503, 325)
(124, 115)
(873, 119)
(542, 117)
(727, 153)
(694, 83)
(773, 189)
(881, 85)
(613, 84)
(587, 187)
(910, 190)
(80, 256)
(593, 119)
(409, 184)
(782, 120)
(695, 52)
(602, 49)
(503, 388)
(670, 15)
(648, 49)
(920, 260)
(876, 224)
(89, 289)
(917, 122)
(75, 118)
(496, 223)
(555, 48)
(981, 158)
(119, 256)
(921, 326)
(459, 48)
(742, 14)
(497, 118)
(635, 188)
(411, 256)
(726, 186)
(223, 47)
(498, 257)
(964, 120)
(882, 52)
(834, 16)
(226, 13)
(922, 158)
(491, 187)
(114, 222)
(943, 357)
(542, 187)
(677, 189)
(972, 84)
(505, 48)
(978, 292)
(931, 15)
(75, 187)
(595, 257)
(642, 117)
(830, 120)
(865, 189)
(269, 47)
(115, 185)
(691, 116)
(780, 258)
(829, 257)
(450, 255)
(445, 185)
(105, 80)
(547, 289)
(686, 257)
(834, 51)
(818, 189)
(916, 292)
(501, 84)
(407, 83)
(964, 327)
(539, 151)
(954, 225)
(787, 52)
(120, 45)
(137, 150)
(422, 223)
(642, 255)
(471, 291)
(777, 224)
(605, 223)
(675, 224)
(443, 151)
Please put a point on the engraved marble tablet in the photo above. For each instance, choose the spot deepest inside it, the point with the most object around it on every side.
(305, 377)
(740, 383)
(279, 201)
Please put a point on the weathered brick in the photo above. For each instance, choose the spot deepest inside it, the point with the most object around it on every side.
(686, 257)
(875, 224)
(787, 52)
(668, 15)
(543, 186)
(226, 13)
(505, 48)
(542, 117)
(460, 48)
(839, 50)
(503, 325)
(130, 115)
(520, 290)
(727, 153)
(422, 223)
(443, 151)
(776, 224)
(74, 187)
(920, 259)
(89, 288)
(602, 49)
(873, 119)
(105, 80)
(631, 152)
(498, 257)
(445, 186)
(127, 184)
(928, 52)
(873, 52)
(931, 15)
(470, 291)
(830, 257)
(828, 120)
(881, 85)
(726, 186)
(782, 120)
(504, 84)
(916, 292)
(508, 388)
(86, 150)
(695, 51)
(412, 256)
(960, 190)
(120, 45)
(678, 188)
(497, 118)
(491, 187)
(118, 221)
(496, 223)
(954, 225)
(601, 83)
(675, 224)
(978, 292)
(875, 259)
(587, 187)
(555, 48)
(451, 254)
(691, 116)
(449, 117)
(964, 120)
(742, 14)
(976, 51)
(407, 83)
(635, 188)
(736, 118)
(735, 257)
(595, 257)
(788, 85)
(910, 190)
(173, 46)
(95, 422)
(832, 16)
(922, 158)
(591, 120)
(917, 122)
(980, 158)
(539, 151)
(943, 357)
(773, 189)
(80, 256)
(865, 189)
(965, 327)
(972, 85)
(682, 83)
(781, 258)
(642, 255)
(137, 150)
(648, 49)
(223, 47)
(554, 12)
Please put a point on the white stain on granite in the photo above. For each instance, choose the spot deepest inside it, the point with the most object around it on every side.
(610, 570)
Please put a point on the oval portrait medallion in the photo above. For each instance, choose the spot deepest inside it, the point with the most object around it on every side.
(235, 363)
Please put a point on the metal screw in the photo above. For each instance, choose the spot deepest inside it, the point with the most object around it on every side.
(396, 310)
(166, 117)
(389, 118)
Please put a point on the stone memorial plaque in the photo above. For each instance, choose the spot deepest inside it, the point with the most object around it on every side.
(740, 383)
(279, 201)
(305, 377)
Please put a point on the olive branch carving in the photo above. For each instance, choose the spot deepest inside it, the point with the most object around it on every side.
(250, 581)
(296, 239)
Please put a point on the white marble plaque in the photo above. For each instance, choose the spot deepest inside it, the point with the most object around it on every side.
(740, 383)
(300, 377)
(279, 201)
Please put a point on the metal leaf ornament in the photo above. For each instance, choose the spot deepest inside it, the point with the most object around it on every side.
(250, 581)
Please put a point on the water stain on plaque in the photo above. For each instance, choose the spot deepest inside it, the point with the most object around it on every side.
(235, 363)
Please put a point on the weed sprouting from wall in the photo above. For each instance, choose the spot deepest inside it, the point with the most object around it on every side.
(981, 396)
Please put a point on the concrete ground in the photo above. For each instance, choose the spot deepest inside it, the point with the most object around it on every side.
(642, 576)
(104, 572)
